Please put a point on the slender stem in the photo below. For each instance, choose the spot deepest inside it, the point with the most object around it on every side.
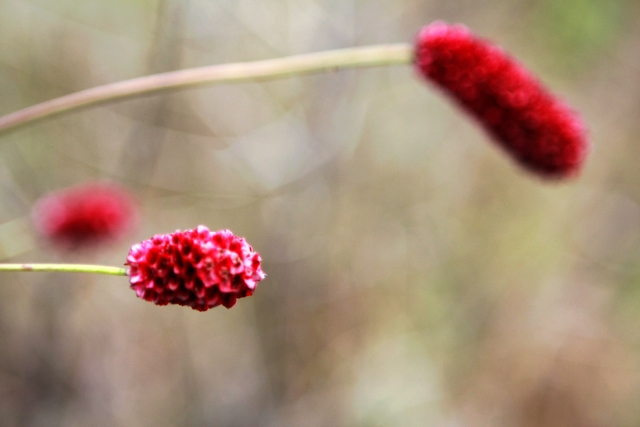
(368, 56)
(66, 268)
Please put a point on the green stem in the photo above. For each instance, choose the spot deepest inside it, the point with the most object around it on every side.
(66, 268)
(368, 56)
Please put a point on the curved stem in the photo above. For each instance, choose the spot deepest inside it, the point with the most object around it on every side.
(66, 268)
(368, 56)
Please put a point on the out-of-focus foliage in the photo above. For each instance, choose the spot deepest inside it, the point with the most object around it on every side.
(415, 275)
(582, 27)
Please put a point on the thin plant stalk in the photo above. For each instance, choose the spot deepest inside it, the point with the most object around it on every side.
(66, 268)
(333, 60)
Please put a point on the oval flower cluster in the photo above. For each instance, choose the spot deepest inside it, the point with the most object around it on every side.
(540, 131)
(85, 215)
(198, 268)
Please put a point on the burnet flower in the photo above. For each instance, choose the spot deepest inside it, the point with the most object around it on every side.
(541, 132)
(85, 215)
(198, 268)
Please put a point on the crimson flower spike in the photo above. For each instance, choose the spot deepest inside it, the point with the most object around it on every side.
(197, 268)
(85, 215)
(541, 132)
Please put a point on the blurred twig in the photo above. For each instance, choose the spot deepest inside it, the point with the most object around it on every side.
(369, 56)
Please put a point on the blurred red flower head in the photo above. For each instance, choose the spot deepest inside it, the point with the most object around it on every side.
(85, 215)
(198, 268)
(541, 132)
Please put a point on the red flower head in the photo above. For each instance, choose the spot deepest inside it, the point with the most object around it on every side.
(198, 268)
(85, 215)
(541, 132)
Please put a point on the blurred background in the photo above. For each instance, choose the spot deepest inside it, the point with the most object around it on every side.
(416, 276)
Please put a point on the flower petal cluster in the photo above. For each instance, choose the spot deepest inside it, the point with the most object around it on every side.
(541, 132)
(85, 215)
(198, 268)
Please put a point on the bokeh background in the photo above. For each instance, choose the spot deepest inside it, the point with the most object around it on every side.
(416, 276)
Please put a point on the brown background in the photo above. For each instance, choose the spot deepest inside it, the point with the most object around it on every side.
(416, 276)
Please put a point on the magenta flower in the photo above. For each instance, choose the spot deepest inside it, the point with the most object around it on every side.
(198, 268)
(85, 215)
(540, 131)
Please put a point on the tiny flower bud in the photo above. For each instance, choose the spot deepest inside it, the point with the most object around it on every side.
(541, 132)
(198, 268)
(85, 215)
